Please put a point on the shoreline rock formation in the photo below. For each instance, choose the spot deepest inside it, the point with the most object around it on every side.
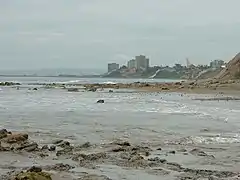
(118, 153)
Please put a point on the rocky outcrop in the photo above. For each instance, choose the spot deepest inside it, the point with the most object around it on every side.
(34, 173)
(16, 142)
(9, 84)
(101, 101)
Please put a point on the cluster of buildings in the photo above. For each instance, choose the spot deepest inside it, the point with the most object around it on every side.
(218, 63)
(140, 62)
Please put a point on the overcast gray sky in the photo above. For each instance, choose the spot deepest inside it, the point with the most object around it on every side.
(91, 33)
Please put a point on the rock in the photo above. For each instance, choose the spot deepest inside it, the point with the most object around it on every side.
(65, 151)
(178, 83)
(165, 88)
(198, 152)
(3, 133)
(159, 149)
(100, 101)
(57, 141)
(45, 147)
(93, 89)
(16, 138)
(89, 157)
(58, 167)
(157, 159)
(33, 176)
(73, 90)
(172, 152)
(85, 145)
(121, 143)
(29, 147)
(52, 148)
(64, 144)
(110, 91)
(95, 177)
(35, 169)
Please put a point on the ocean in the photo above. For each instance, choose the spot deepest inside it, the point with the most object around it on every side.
(171, 121)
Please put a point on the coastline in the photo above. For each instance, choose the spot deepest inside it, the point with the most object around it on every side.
(189, 87)
(213, 87)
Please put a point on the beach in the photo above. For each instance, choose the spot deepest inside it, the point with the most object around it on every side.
(139, 132)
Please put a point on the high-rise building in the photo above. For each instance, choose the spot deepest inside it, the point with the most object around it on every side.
(132, 64)
(112, 67)
(142, 62)
(217, 63)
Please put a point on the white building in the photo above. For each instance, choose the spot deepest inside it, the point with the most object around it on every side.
(217, 63)
(132, 64)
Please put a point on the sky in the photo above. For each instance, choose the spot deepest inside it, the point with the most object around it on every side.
(37, 34)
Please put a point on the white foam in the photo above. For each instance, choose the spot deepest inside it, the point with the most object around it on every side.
(109, 82)
(211, 140)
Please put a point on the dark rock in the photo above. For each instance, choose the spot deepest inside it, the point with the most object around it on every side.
(118, 149)
(147, 153)
(45, 147)
(52, 148)
(42, 155)
(35, 169)
(121, 143)
(65, 151)
(110, 91)
(172, 152)
(57, 141)
(3, 133)
(157, 159)
(73, 90)
(85, 145)
(35, 89)
(100, 101)
(93, 89)
(159, 149)
(165, 88)
(29, 147)
(64, 144)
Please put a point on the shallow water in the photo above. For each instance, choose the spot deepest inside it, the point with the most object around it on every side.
(166, 119)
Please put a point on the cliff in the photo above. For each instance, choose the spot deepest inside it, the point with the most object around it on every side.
(232, 70)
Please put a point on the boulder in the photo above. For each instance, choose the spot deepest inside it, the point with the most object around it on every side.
(16, 138)
(3, 133)
(52, 148)
(100, 101)
(73, 90)
(165, 88)
(33, 176)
